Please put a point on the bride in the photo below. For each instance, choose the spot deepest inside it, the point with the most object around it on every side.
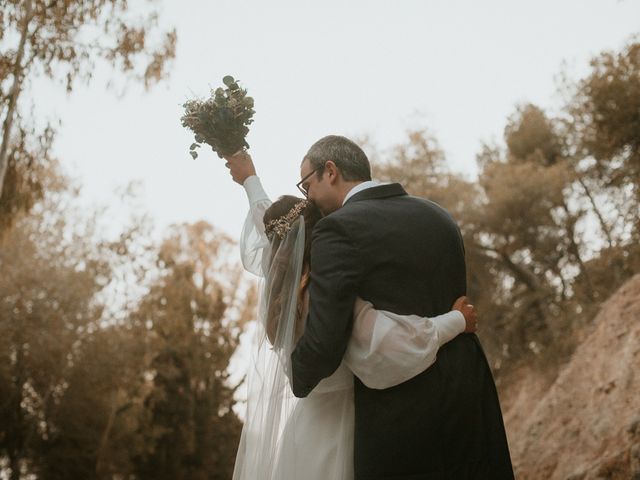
(289, 438)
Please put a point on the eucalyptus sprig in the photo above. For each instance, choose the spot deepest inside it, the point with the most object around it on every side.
(221, 120)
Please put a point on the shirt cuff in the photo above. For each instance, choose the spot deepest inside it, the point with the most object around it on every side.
(449, 326)
(253, 188)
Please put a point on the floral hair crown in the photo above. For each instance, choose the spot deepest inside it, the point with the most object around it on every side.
(280, 226)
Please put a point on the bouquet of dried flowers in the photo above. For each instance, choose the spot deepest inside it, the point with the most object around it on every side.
(221, 120)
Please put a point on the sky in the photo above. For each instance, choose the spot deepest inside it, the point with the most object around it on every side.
(355, 68)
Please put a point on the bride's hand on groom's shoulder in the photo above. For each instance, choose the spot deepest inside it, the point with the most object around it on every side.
(469, 312)
(240, 166)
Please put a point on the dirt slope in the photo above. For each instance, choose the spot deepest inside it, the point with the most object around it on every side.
(586, 425)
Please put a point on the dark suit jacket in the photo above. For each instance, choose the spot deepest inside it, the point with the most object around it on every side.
(403, 254)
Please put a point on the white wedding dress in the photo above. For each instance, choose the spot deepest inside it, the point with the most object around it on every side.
(312, 438)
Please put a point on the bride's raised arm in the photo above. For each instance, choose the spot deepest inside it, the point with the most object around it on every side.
(253, 239)
(387, 349)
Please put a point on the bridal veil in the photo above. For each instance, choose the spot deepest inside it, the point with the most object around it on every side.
(270, 401)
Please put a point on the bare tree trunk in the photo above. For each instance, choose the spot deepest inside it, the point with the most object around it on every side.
(575, 250)
(104, 439)
(15, 92)
(105, 434)
(14, 464)
(520, 272)
(603, 224)
(17, 442)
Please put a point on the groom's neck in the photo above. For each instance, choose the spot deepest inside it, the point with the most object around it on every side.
(346, 187)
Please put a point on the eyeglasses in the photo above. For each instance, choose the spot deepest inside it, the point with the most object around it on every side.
(300, 185)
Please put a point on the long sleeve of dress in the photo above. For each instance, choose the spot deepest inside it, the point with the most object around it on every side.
(386, 349)
(253, 239)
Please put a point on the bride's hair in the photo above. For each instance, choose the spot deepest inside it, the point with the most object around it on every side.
(279, 210)
(281, 207)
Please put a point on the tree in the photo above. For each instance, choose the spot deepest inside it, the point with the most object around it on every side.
(86, 393)
(64, 39)
(51, 273)
(603, 135)
(28, 160)
(94, 426)
(190, 332)
(604, 128)
(523, 248)
(532, 227)
(605, 112)
(531, 137)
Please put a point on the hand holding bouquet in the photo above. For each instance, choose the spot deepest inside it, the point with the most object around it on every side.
(221, 120)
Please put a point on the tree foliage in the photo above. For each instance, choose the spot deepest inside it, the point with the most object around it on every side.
(551, 222)
(189, 343)
(63, 40)
(605, 116)
(141, 394)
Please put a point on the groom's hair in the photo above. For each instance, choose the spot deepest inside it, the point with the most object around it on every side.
(348, 157)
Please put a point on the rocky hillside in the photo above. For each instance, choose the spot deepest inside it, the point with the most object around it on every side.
(586, 424)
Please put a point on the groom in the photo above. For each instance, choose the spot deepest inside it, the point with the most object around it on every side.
(403, 254)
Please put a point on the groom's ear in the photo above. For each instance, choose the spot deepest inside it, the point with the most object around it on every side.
(331, 171)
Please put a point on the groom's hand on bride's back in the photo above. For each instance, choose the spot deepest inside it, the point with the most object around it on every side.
(240, 166)
(469, 312)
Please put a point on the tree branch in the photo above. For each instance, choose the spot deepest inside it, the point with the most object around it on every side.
(18, 71)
